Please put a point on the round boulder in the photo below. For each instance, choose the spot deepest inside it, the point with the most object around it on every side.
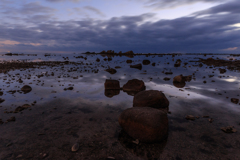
(150, 98)
(134, 85)
(179, 79)
(145, 124)
(26, 89)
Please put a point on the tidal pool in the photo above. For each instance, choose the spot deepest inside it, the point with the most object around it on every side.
(69, 105)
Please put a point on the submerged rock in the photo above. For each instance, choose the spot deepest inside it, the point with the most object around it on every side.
(145, 124)
(150, 98)
(26, 89)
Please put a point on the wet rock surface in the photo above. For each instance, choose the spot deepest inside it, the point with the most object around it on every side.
(144, 123)
(150, 98)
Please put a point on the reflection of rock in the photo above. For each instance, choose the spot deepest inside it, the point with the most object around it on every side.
(134, 86)
(146, 62)
(111, 70)
(179, 85)
(111, 84)
(143, 150)
(1, 93)
(144, 123)
(138, 66)
(234, 100)
(26, 89)
(150, 98)
(111, 92)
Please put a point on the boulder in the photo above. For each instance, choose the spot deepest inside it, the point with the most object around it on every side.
(179, 79)
(112, 84)
(26, 89)
(150, 98)
(21, 108)
(138, 66)
(234, 100)
(111, 70)
(145, 124)
(179, 85)
(146, 62)
(134, 85)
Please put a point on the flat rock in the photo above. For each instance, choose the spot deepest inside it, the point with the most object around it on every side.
(150, 98)
(229, 129)
(144, 123)
(20, 108)
(137, 66)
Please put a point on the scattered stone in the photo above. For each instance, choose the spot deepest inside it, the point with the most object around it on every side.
(146, 62)
(166, 79)
(129, 61)
(2, 100)
(137, 66)
(110, 158)
(210, 120)
(20, 108)
(229, 129)
(75, 147)
(190, 117)
(12, 119)
(205, 116)
(112, 84)
(144, 123)
(153, 64)
(234, 100)
(111, 70)
(19, 156)
(1, 93)
(197, 117)
(150, 98)
(98, 60)
(26, 89)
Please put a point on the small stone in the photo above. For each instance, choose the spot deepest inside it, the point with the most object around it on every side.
(136, 141)
(110, 158)
(11, 119)
(210, 120)
(229, 129)
(75, 147)
(190, 117)
(2, 100)
(197, 117)
(234, 100)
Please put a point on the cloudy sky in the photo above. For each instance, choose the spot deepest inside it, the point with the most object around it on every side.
(144, 26)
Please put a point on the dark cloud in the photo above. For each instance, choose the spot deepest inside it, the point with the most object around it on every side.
(213, 33)
(163, 4)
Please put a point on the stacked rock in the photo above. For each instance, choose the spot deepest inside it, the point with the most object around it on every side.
(147, 121)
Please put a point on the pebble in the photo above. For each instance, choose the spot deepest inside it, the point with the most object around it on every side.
(75, 147)
(190, 117)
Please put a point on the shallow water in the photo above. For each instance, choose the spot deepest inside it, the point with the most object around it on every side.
(59, 118)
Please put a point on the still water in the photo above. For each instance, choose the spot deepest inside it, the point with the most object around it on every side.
(69, 105)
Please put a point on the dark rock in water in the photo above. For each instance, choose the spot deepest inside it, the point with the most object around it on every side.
(1, 93)
(69, 88)
(11, 119)
(134, 85)
(166, 79)
(150, 98)
(111, 70)
(20, 108)
(234, 100)
(229, 129)
(129, 61)
(153, 64)
(138, 66)
(2, 100)
(145, 124)
(111, 84)
(222, 70)
(179, 79)
(111, 92)
(179, 85)
(190, 117)
(150, 151)
(98, 60)
(26, 89)
(146, 62)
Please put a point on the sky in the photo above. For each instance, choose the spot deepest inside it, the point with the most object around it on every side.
(143, 26)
